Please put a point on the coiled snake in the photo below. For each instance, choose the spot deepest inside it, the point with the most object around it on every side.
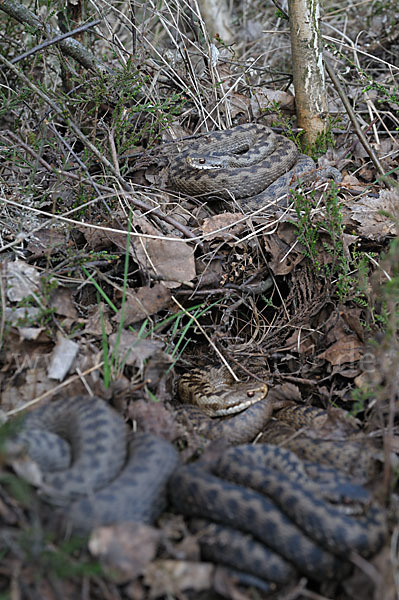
(98, 475)
(249, 163)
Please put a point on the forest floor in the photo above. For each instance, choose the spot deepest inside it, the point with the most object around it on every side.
(114, 284)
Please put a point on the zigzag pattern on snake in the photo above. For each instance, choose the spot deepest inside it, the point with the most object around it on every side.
(94, 493)
(248, 163)
(210, 394)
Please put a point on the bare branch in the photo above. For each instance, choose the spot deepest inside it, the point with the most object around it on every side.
(69, 46)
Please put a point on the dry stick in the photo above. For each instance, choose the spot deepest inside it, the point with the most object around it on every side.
(54, 390)
(64, 115)
(352, 116)
(55, 40)
(69, 46)
(222, 358)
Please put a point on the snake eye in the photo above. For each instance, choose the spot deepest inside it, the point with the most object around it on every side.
(201, 161)
(250, 393)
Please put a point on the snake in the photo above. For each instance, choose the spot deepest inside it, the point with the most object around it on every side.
(91, 468)
(209, 394)
(278, 510)
(205, 394)
(249, 163)
(96, 473)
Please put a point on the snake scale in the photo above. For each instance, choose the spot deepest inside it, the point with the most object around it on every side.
(257, 498)
(249, 163)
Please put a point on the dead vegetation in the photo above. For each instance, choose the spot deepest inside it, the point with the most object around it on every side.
(112, 283)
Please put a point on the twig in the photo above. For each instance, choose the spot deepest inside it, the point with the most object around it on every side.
(353, 118)
(55, 40)
(53, 390)
(69, 46)
(127, 188)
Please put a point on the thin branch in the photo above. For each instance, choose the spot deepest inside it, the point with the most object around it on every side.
(55, 40)
(69, 46)
(353, 118)
(104, 161)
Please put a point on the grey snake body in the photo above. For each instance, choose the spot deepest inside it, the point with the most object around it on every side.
(248, 163)
(148, 466)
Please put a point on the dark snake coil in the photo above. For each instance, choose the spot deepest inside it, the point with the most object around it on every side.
(100, 475)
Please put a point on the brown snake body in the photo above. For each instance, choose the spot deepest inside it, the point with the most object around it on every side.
(249, 163)
(355, 457)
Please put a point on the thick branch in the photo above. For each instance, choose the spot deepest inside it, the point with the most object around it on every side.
(307, 64)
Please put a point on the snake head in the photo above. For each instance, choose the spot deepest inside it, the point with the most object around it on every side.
(216, 393)
(204, 162)
(234, 399)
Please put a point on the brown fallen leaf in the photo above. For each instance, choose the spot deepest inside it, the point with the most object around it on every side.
(213, 227)
(35, 383)
(351, 182)
(97, 320)
(62, 301)
(153, 417)
(365, 214)
(172, 261)
(285, 391)
(343, 343)
(45, 241)
(125, 549)
(285, 253)
(132, 350)
(265, 98)
(347, 349)
(22, 280)
(142, 303)
(174, 576)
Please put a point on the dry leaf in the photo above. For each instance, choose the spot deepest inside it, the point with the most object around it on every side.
(132, 350)
(347, 349)
(62, 358)
(46, 241)
(284, 256)
(23, 315)
(211, 226)
(97, 320)
(153, 417)
(172, 261)
(62, 301)
(265, 98)
(174, 576)
(35, 384)
(239, 104)
(22, 280)
(143, 303)
(125, 549)
(366, 213)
